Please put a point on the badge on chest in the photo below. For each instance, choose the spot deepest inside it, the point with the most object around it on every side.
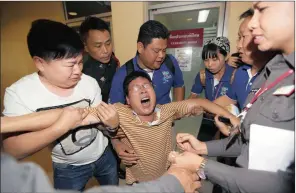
(285, 90)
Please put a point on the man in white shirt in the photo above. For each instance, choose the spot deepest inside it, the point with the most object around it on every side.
(77, 154)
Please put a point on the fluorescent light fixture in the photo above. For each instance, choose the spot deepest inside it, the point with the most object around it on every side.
(203, 16)
(189, 19)
(72, 13)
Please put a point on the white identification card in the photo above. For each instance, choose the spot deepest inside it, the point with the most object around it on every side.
(270, 149)
(285, 90)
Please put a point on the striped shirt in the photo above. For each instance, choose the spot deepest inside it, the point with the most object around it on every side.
(152, 142)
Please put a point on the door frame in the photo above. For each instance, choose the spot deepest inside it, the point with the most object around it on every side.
(189, 6)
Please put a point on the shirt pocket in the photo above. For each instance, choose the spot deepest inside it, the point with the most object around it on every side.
(279, 108)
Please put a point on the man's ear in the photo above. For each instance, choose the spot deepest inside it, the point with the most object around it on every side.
(39, 63)
(140, 47)
(85, 47)
(127, 100)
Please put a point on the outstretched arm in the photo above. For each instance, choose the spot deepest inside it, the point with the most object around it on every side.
(193, 104)
(30, 122)
(22, 144)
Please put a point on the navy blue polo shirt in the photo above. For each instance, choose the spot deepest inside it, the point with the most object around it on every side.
(241, 85)
(163, 80)
(212, 92)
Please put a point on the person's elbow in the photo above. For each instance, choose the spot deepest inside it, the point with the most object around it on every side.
(12, 147)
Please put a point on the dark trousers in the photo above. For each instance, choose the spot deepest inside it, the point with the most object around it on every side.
(207, 130)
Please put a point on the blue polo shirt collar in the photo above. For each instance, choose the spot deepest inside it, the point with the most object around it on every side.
(136, 65)
(246, 67)
(227, 74)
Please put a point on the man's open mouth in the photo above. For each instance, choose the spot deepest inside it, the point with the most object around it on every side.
(145, 100)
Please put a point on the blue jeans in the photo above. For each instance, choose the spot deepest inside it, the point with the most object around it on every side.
(70, 177)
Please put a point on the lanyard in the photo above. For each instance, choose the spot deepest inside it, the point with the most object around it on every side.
(218, 89)
(262, 90)
(234, 133)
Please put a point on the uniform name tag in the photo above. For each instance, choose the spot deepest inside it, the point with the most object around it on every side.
(285, 90)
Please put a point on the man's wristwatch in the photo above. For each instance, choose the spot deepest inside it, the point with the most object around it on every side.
(200, 171)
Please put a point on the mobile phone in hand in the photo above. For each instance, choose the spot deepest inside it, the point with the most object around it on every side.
(239, 62)
(236, 54)
(211, 117)
(224, 120)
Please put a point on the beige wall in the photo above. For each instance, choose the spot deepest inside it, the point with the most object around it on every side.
(127, 17)
(235, 10)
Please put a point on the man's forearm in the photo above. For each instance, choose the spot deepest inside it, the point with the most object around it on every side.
(212, 107)
(23, 145)
(179, 93)
(30, 122)
(224, 101)
(193, 96)
(235, 179)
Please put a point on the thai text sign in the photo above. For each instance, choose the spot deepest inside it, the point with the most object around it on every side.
(186, 38)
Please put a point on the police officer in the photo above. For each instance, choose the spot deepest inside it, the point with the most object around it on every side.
(272, 107)
(99, 60)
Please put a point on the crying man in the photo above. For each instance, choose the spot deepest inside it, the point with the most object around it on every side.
(147, 126)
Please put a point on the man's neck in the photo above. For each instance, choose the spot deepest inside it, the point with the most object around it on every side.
(148, 118)
(256, 67)
(219, 75)
(290, 48)
(141, 64)
(93, 59)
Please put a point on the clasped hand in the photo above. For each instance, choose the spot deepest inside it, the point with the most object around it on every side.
(105, 113)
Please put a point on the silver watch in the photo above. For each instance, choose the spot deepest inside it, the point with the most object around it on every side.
(200, 171)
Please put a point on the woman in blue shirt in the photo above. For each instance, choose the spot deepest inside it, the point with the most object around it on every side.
(215, 79)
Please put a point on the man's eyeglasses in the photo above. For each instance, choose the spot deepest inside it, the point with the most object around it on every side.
(137, 87)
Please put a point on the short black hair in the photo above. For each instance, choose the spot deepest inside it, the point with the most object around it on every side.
(152, 29)
(51, 40)
(92, 23)
(132, 76)
(248, 13)
(211, 50)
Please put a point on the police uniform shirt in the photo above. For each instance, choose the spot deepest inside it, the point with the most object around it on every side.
(269, 110)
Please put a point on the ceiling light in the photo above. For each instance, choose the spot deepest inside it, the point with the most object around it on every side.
(189, 19)
(72, 13)
(203, 16)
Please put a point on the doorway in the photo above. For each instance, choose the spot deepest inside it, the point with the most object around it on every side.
(204, 18)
